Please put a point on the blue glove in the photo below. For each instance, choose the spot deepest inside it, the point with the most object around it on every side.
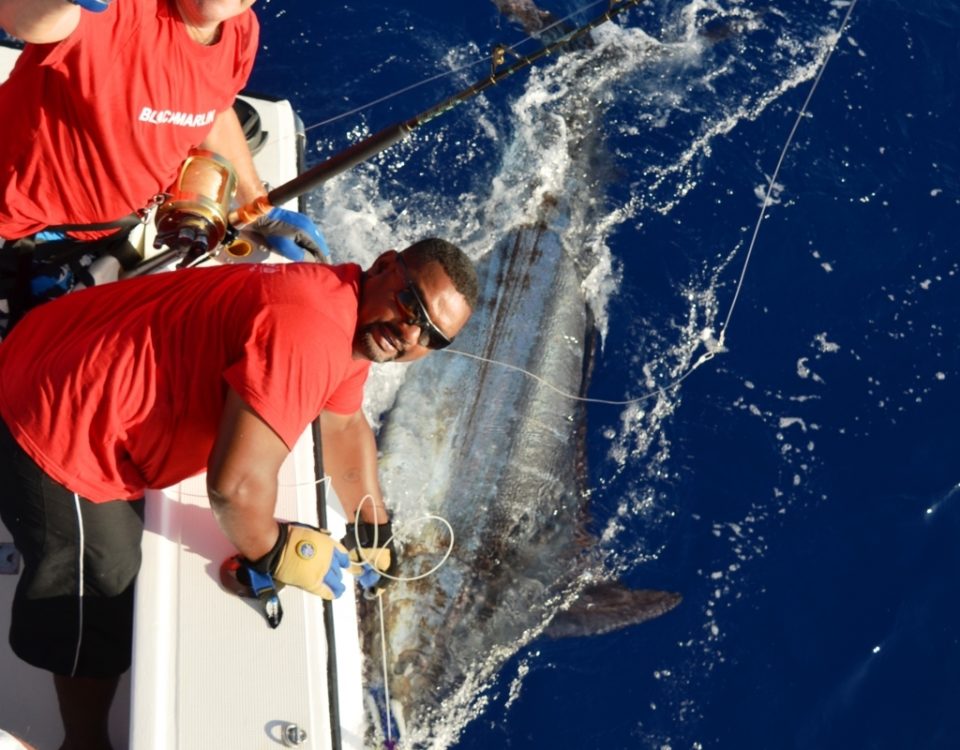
(375, 555)
(290, 233)
(369, 577)
(96, 6)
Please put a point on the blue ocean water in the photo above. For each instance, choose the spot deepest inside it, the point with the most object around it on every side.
(799, 489)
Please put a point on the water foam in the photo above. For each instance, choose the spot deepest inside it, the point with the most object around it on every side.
(670, 98)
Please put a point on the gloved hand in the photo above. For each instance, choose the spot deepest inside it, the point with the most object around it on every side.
(375, 554)
(97, 6)
(290, 233)
(308, 558)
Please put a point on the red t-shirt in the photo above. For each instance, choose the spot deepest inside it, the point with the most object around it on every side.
(97, 124)
(121, 387)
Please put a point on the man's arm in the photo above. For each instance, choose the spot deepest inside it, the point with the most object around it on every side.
(39, 21)
(288, 232)
(242, 478)
(226, 139)
(350, 459)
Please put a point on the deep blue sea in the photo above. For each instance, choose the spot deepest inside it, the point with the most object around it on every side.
(800, 489)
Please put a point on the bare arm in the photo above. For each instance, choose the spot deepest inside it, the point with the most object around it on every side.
(39, 21)
(242, 478)
(226, 138)
(350, 458)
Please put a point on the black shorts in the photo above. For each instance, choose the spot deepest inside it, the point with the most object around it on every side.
(73, 607)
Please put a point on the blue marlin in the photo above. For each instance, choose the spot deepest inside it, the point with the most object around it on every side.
(501, 457)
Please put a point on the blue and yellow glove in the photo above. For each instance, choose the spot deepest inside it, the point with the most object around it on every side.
(308, 558)
(291, 234)
(374, 555)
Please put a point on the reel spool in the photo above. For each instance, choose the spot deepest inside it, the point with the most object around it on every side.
(196, 212)
(246, 247)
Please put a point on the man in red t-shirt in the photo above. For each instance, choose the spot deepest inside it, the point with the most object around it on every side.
(144, 382)
(100, 111)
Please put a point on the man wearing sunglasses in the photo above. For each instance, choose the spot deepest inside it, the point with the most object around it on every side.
(142, 383)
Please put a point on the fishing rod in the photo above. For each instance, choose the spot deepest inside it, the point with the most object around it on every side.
(202, 222)
(380, 141)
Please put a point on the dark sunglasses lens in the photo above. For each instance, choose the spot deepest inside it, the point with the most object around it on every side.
(430, 337)
(437, 340)
(408, 303)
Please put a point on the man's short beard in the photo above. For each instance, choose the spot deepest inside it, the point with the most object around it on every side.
(371, 350)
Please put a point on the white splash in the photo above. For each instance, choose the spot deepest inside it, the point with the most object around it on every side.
(675, 92)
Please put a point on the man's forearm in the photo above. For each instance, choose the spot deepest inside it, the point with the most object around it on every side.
(39, 21)
(246, 520)
(350, 459)
(226, 139)
(242, 478)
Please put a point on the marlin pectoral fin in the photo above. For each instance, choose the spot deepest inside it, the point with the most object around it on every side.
(606, 607)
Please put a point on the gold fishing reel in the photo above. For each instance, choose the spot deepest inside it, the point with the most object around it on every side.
(194, 218)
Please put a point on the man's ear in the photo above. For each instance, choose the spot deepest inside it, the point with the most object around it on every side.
(384, 262)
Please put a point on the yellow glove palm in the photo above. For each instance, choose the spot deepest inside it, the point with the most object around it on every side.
(312, 560)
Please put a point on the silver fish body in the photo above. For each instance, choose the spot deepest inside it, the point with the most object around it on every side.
(500, 456)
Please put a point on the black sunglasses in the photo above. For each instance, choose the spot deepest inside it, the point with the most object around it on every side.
(411, 305)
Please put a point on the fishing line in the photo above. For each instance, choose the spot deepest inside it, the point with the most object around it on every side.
(386, 682)
(398, 92)
(421, 519)
(571, 396)
(773, 179)
(719, 346)
(486, 60)
(466, 66)
(378, 596)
